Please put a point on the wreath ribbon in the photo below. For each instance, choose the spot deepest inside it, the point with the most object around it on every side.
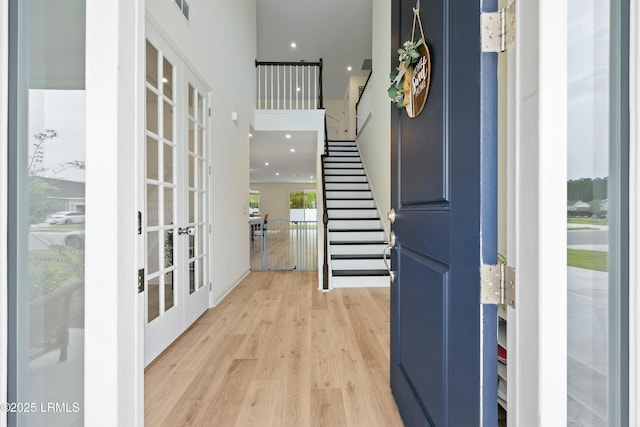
(406, 87)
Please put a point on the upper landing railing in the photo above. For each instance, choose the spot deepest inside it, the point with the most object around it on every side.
(289, 85)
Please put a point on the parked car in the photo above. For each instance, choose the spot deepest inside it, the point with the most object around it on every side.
(65, 217)
(75, 239)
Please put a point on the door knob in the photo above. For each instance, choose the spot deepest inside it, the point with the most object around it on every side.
(392, 216)
(190, 230)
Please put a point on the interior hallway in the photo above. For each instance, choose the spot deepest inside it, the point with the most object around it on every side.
(276, 352)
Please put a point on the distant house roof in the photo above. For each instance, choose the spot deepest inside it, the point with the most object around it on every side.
(63, 188)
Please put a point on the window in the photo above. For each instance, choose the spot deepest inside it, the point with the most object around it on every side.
(302, 205)
(46, 185)
(254, 203)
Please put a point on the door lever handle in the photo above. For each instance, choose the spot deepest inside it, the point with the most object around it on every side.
(385, 252)
(190, 230)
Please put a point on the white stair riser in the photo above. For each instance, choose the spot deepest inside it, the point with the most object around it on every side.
(357, 264)
(343, 165)
(360, 282)
(343, 152)
(344, 171)
(350, 204)
(349, 179)
(348, 194)
(351, 224)
(346, 185)
(360, 236)
(341, 144)
(340, 158)
(359, 213)
(356, 249)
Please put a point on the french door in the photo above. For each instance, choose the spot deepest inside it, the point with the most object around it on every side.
(176, 197)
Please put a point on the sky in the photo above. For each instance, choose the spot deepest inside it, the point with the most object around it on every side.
(588, 81)
(64, 112)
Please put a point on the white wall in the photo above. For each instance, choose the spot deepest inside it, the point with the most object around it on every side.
(336, 126)
(219, 44)
(350, 101)
(374, 139)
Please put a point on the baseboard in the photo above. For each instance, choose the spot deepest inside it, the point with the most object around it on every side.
(223, 296)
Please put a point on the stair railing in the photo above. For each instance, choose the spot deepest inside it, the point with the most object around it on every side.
(289, 85)
(325, 211)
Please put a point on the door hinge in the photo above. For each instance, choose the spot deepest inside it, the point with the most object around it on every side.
(498, 284)
(498, 29)
(209, 112)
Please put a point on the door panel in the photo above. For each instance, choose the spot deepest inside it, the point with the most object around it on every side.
(176, 185)
(443, 341)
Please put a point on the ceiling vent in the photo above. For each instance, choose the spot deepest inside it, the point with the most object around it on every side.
(184, 7)
(366, 65)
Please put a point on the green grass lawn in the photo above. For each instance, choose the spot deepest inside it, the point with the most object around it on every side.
(581, 228)
(587, 221)
(62, 228)
(590, 260)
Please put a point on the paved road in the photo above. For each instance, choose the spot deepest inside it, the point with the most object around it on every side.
(588, 237)
(42, 239)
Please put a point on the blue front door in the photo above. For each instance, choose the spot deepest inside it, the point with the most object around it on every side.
(444, 178)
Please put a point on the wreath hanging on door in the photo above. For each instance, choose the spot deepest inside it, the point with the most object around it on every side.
(410, 80)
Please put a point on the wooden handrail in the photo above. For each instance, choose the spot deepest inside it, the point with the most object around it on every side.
(360, 97)
(325, 222)
(300, 63)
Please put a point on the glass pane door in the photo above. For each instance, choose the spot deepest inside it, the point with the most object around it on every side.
(593, 195)
(197, 171)
(196, 253)
(176, 197)
(160, 183)
(46, 215)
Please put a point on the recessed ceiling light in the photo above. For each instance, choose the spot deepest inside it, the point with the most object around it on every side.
(298, 89)
(287, 136)
(165, 80)
(266, 163)
(250, 135)
(293, 150)
(293, 45)
(349, 68)
(277, 173)
(311, 177)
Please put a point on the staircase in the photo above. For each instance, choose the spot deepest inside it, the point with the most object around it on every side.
(356, 235)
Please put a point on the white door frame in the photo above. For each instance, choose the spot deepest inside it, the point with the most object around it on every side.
(4, 105)
(539, 385)
(634, 215)
(114, 375)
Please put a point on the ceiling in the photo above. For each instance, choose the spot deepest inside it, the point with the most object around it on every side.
(339, 32)
(274, 147)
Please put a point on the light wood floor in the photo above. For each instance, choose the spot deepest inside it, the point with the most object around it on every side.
(276, 352)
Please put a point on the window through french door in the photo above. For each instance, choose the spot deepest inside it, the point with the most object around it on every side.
(176, 176)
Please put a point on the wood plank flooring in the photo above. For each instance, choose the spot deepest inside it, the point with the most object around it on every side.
(276, 352)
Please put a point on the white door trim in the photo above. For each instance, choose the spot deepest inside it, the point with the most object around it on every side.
(4, 84)
(113, 352)
(634, 213)
(540, 223)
